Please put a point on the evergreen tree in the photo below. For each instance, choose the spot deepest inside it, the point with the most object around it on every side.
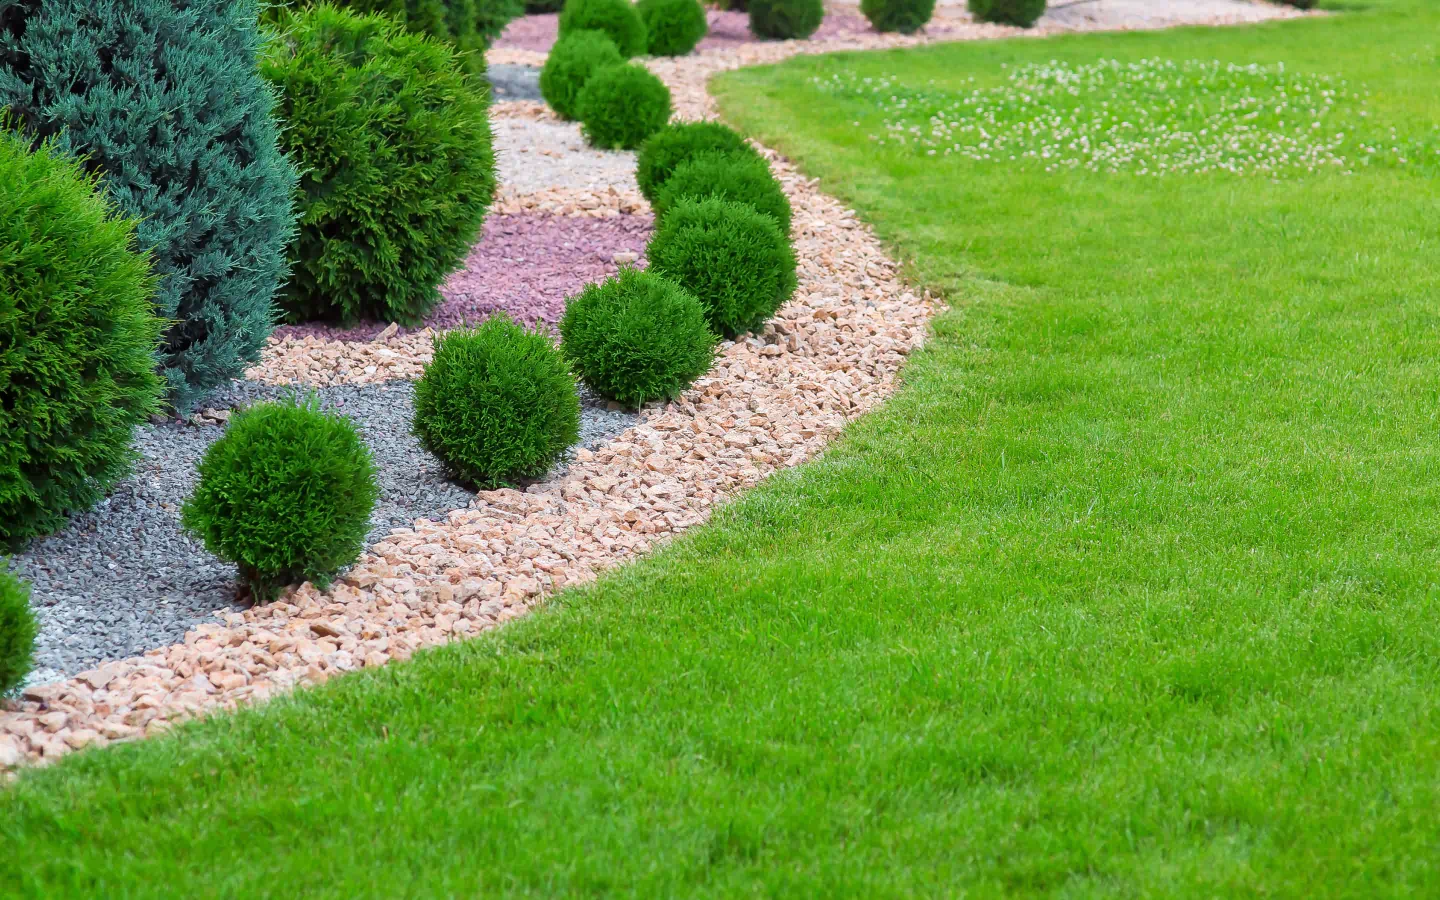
(163, 98)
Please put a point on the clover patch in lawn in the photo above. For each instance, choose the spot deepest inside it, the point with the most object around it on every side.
(1152, 116)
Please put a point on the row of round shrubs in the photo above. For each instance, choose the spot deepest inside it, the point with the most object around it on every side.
(390, 132)
(654, 27)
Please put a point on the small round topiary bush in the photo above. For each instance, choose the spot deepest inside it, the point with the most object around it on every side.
(1008, 12)
(674, 144)
(285, 494)
(783, 20)
(617, 18)
(77, 341)
(741, 177)
(672, 27)
(622, 106)
(17, 631)
(734, 260)
(636, 337)
(535, 7)
(904, 16)
(496, 404)
(393, 139)
(573, 59)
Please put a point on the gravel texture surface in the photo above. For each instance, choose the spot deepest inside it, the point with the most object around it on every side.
(525, 265)
(510, 82)
(535, 155)
(124, 577)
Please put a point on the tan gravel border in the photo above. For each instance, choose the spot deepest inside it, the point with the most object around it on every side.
(772, 401)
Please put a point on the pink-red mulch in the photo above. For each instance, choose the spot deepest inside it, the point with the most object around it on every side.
(727, 29)
(525, 265)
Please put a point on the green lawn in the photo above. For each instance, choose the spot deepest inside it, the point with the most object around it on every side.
(1131, 591)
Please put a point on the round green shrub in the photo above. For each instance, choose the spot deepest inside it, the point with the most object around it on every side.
(17, 631)
(1008, 12)
(673, 27)
(164, 100)
(467, 25)
(622, 106)
(617, 18)
(571, 62)
(496, 404)
(394, 142)
(285, 494)
(536, 7)
(904, 16)
(783, 20)
(742, 177)
(736, 261)
(77, 341)
(674, 144)
(636, 337)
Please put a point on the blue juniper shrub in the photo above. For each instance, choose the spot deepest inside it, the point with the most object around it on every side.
(394, 142)
(78, 338)
(285, 494)
(164, 99)
(496, 404)
(573, 59)
(636, 337)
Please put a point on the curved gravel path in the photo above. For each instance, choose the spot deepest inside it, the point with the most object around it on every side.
(772, 400)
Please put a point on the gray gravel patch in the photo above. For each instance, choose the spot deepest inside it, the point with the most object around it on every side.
(124, 577)
(532, 156)
(511, 82)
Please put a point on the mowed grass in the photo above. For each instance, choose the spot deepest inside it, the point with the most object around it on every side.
(1131, 591)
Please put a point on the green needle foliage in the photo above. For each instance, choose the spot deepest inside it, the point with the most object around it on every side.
(672, 27)
(573, 59)
(285, 494)
(904, 16)
(735, 260)
(394, 142)
(77, 341)
(637, 337)
(1022, 13)
(744, 177)
(617, 18)
(678, 142)
(621, 106)
(496, 404)
(783, 20)
(467, 25)
(165, 100)
(17, 631)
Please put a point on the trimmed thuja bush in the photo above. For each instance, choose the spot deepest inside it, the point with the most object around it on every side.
(622, 106)
(675, 144)
(672, 27)
(77, 341)
(573, 59)
(782, 20)
(17, 631)
(904, 16)
(742, 177)
(467, 25)
(1008, 12)
(285, 494)
(617, 18)
(496, 404)
(163, 98)
(734, 260)
(636, 337)
(394, 142)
